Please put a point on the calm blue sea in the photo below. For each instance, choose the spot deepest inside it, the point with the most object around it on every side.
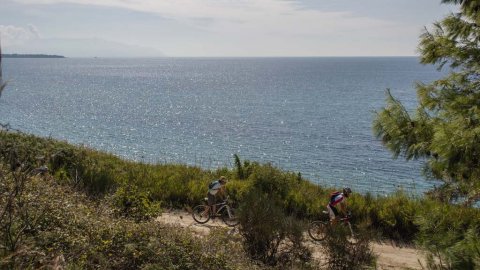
(308, 115)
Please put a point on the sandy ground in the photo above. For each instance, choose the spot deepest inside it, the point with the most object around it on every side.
(389, 256)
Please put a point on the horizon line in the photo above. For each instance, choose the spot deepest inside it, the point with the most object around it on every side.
(165, 56)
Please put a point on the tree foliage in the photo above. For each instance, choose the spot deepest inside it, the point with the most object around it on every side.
(445, 128)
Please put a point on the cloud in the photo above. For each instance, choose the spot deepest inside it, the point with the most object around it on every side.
(34, 30)
(15, 35)
(28, 40)
(244, 16)
(253, 28)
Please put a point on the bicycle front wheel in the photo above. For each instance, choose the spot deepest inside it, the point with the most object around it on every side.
(229, 217)
(318, 230)
(201, 214)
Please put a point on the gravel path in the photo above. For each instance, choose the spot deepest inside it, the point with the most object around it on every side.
(389, 256)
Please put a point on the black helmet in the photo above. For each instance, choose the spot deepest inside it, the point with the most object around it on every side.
(347, 191)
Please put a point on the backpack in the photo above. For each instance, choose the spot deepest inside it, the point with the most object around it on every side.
(333, 195)
(212, 184)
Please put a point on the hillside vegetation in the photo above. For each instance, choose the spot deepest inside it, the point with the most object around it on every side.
(95, 206)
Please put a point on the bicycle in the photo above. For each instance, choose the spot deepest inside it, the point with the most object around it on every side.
(318, 229)
(224, 210)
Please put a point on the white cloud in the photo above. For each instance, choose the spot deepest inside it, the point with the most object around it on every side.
(244, 16)
(17, 39)
(263, 27)
(34, 30)
(15, 35)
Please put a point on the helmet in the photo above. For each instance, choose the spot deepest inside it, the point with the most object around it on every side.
(347, 191)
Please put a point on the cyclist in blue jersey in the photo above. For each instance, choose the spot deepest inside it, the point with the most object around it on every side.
(338, 199)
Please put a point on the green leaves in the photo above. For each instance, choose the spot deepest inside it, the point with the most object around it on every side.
(445, 126)
(401, 133)
(451, 234)
(445, 130)
(452, 41)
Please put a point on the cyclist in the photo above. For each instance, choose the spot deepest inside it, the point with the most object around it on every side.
(216, 189)
(338, 198)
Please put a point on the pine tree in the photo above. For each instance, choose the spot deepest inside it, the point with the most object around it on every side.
(445, 128)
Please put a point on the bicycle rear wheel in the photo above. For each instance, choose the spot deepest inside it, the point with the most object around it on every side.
(200, 214)
(318, 230)
(229, 217)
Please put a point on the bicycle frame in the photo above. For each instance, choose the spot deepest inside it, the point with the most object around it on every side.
(321, 225)
(219, 206)
(223, 210)
(227, 207)
(346, 222)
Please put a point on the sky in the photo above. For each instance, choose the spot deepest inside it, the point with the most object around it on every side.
(216, 28)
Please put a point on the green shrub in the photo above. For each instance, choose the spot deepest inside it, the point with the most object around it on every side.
(342, 254)
(393, 215)
(450, 234)
(135, 204)
(269, 235)
(61, 227)
(397, 216)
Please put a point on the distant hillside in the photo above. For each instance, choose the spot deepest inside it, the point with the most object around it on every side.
(85, 47)
(31, 56)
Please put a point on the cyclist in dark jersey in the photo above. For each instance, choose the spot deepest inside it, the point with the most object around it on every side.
(338, 199)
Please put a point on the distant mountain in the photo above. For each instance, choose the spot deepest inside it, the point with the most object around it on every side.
(89, 47)
(15, 55)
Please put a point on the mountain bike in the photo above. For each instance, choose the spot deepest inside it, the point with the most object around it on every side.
(201, 213)
(318, 229)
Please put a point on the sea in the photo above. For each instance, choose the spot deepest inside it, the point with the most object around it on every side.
(308, 115)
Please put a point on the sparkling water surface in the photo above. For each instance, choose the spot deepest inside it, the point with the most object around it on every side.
(308, 115)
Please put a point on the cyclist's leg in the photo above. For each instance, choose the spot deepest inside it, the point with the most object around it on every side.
(211, 203)
(333, 213)
(216, 206)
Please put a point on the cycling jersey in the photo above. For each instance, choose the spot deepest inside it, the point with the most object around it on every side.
(336, 199)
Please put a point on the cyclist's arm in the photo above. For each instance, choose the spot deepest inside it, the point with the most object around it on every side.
(222, 193)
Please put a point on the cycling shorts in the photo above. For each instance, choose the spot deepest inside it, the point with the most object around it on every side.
(211, 199)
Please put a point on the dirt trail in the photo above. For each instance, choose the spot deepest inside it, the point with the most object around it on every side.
(389, 257)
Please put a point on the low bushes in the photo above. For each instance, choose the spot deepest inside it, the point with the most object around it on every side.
(269, 234)
(134, 204)
(392, 216)
(46, 225)
(451, 235)
(139, 188)
(342, 254)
